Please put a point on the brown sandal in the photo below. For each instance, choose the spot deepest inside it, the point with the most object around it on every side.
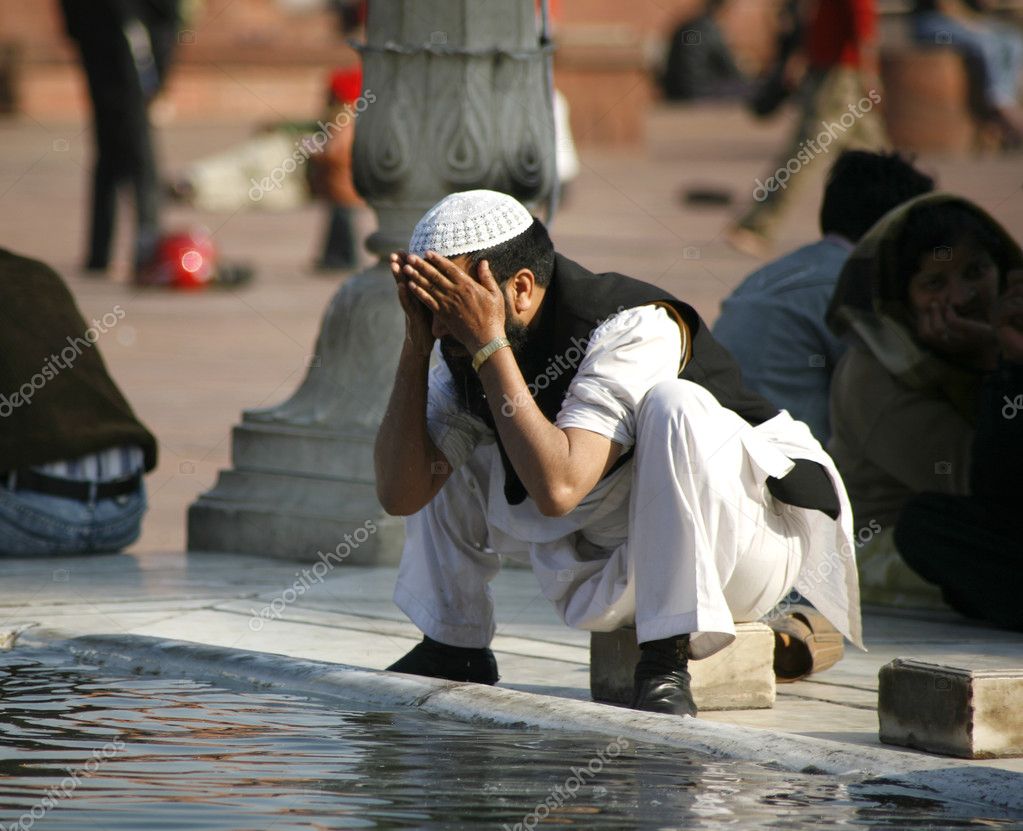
(804, 642)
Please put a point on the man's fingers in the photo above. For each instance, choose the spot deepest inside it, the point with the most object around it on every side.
(443, 266)
(415, 278)
(429, 272)
(423, 295)
(486, 277)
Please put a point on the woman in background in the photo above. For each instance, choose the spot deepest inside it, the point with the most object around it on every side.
(909, 398)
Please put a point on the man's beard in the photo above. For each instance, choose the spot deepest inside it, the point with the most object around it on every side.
(467, 382)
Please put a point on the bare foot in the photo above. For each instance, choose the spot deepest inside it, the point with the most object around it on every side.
(749, 242)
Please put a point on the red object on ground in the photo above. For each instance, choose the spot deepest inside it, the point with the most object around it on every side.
(185, 260)
(346, 84)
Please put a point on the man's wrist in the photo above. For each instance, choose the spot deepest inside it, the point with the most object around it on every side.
(415, 354)
(485, 352)
(477, 343)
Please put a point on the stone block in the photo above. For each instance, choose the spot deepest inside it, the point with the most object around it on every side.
(975, 711)
(739, 677)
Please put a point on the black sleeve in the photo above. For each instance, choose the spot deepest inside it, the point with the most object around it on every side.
(998, 440)
(807, 485)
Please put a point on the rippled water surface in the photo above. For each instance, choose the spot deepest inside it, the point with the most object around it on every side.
(81, 750)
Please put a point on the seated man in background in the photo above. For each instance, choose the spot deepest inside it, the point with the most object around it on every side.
(590, 425)
(917, 298)
(991, 48)
(72, 453)
(773, 323)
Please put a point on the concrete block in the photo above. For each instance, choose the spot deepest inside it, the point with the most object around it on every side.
(972, 711)
(739, 677)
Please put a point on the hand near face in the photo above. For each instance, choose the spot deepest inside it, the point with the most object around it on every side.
(471, 309)
(952, 299)
(941, 327)
(418, 319)
(1009, 321)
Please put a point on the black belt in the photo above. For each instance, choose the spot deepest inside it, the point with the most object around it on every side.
(31, 480)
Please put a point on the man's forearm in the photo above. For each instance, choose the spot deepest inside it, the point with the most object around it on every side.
(404, 455)
(542, 454)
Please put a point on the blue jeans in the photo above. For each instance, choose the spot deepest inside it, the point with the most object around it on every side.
(35, 523)
(994, 47)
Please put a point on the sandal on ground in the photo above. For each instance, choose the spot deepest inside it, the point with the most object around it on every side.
(804, 642)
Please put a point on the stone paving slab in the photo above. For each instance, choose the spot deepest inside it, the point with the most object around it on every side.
(350, 619)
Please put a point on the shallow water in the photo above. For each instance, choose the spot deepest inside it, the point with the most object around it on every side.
(82, 750)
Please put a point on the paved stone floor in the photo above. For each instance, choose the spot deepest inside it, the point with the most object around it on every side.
(234, 601)
(190, 363)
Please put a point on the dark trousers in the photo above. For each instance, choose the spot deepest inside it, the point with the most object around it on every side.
(339, 245)
(972, 549)
(124, 145)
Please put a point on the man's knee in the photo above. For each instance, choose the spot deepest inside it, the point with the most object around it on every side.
(666, 398)
(670, 403)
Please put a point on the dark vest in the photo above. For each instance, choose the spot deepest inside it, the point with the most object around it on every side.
(575, 303)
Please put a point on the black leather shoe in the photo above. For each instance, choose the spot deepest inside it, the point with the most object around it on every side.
(455, 663)
(662, 678)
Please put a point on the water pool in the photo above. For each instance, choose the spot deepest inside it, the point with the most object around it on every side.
(80, 749)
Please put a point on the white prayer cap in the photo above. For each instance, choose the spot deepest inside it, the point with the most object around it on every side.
(469, 221)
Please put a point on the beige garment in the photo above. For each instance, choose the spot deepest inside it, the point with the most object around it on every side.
(891, 441)
(827, 97)
(887, 580)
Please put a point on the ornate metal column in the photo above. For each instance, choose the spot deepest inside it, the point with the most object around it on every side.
(458, 97)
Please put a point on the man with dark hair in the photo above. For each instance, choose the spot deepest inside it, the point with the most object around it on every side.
(590, 425)
(773, 323)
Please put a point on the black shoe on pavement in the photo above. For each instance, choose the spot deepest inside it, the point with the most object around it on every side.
(662, 678)
(455, 663)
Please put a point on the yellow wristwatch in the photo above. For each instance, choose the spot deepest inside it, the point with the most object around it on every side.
(484, 354)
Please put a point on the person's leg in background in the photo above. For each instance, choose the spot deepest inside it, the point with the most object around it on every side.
(825, 99)
(145, 182)
(993, 52)
(968, 548)
(339, 249)
(103, 72)
(162, 25)
(124, 146)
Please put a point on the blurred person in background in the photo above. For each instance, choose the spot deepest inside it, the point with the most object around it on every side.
(700, 63)
(838, 102)
(970, 545)
(72, 452)
(125, 47)
(330, 173)
(992, 48)
(773, 323)
(911, 400)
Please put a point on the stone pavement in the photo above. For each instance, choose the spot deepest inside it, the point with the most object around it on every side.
(241, 602)
(190, 363)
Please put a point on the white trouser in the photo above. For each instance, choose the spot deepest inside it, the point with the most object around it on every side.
(684, 539)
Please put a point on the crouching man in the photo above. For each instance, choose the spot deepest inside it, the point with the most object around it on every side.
(590, 425)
